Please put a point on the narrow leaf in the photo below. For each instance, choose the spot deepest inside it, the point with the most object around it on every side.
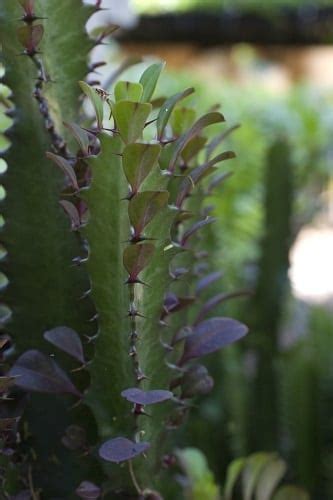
(73, 214)
(217, 181)
(95, 100)
(67, 340)
(270, 478)
(149, 80)
(137, 257)
(130, 118)
(128, 91)
(233, 472)
(210, 336)
(290, 492)
(193, 229)
(39, 373)
(138, 161)
(167, 108)
(255, 464)
(219, 139)
(217, 300)
(138, 396)
(81, 136)
(144, 206)
(66, 167)
(207, 280)
(121, 450)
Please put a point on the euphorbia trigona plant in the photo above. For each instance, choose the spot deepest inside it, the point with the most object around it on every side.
(114, 295)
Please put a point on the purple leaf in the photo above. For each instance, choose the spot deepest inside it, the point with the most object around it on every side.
(140, 397)
(193, 229)
(218, 139)
(207, 280)
(66, 167)
(210, 336)
(39, 373)
(136, 258)
(216, 300)
(217, 181)
(196, 382)
(121, 449)
(172, 303)
(67, 340)
(88, 491)
(73, 214)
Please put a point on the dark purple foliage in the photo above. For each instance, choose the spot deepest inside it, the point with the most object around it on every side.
(140, 397)
(39, 373)
(88, 491)
(196, 382)
(67, 340)
(207, 280)
(210, 336)
(121, 449)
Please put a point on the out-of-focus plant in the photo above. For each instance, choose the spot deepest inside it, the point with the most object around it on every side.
(133, 181)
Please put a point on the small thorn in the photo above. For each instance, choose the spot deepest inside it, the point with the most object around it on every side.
(91, 338)
(85, 294)
(94, 318)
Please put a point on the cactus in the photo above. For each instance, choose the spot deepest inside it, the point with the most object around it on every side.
(133, 188)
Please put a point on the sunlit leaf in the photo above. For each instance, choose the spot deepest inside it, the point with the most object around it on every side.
(138, 161)
(121, 450)
(95, 100)
(39, 373)
(149, 80)
(128, 91)
(67, 340)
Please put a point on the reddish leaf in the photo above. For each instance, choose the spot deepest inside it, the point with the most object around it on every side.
(67, 340)
(73, 213)
(140, 397)
(144, 206)
(210, 336)
(66, 167)
(138, 161)
(30, 36)
(121, 450)
(39, 373)
(88, 491)
(136, 258)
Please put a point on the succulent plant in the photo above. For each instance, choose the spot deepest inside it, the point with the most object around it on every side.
(131, 258)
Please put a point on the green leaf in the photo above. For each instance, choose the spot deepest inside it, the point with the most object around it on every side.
(253, 468)
(138, 161)
(137, 257)
(167, 108)
(289, 492)
(233, 472)
(128, 91)
(149, 80)
(66, 167)
(269, 479)
(95, 100)
(130, 118)
(81, 136)
(144, 206)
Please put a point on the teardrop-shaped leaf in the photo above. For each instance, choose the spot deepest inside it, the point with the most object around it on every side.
(88, 491)
(73, 214)
(149, 80)
(144, 206)
(95, 100)
(218, 140)
(137, 257)
(130, 118)
(121, 450)
(220, 298)
(196, 227)
(178, 146)
(217, 181)
(39, 373)
(210, 336)
(233, 472)
(255, 465)
(81, 136)
(270, 478)
(67, 340)
(167, 108)
(128, 91)
(193, 148)
(290, 492)
(66, 167)
(138, 161)
(207, 280)
(138, 396)
(30, 36)
(196, 382)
